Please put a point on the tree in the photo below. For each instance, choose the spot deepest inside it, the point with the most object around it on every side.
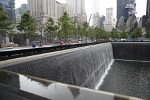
(148, 35)
(66, 25)
(114, 34)
(91, 34)
(101, 34)
(106, 35)
(98, 34)
(86, 25)
(136, 33)
(124, 34)
(41, 24)
(51, 27)
(82, 32)
(79, 32)
(4, 22)
(28, 25)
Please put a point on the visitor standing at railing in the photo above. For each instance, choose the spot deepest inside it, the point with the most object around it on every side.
(33, 43)
(61, 42)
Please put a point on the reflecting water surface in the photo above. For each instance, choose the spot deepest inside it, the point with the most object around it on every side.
(50, 90)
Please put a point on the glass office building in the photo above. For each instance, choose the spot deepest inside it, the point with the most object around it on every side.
(9, 7)
(122, 9)
(148, 8)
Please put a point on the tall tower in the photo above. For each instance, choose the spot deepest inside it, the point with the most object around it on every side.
(79, 11)
(72, 3)
(121, 7)
(109, 21)
(148, 8)
(78, 6)
(9, 8)
(42, 10)
(96, 20)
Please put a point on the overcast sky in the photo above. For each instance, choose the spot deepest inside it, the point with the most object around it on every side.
(94, 6)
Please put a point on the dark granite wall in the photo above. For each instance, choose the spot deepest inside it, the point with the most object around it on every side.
(131, 50)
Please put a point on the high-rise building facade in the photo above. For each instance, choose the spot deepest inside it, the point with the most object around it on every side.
(23, 8)
(78, 10)
(109, 21)
(78, 6)
(48, 8)
(148, 8)
(42, 8)
(145, 22)
(123, 6)
(102, 20)
(96, 20)
(59, 9)
(72, 3)
(9, 7)
(69, 9)
(20, 11)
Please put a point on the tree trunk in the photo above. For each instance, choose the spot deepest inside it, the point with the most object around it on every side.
(86, 36)
(81, 38)
(65, 38)
(75, 37)
(22, 40)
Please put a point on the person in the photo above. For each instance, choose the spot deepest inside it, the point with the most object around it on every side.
(33, 43)
(69, 41)
(61, 42)
(40, 44)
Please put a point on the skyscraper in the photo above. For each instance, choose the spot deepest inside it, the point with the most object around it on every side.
(43, 9)
(79, 11)
(72, 3)
(122, 5)
(24, 8)
(148, 8)
(96, 20)
(109, 21)
(102, 20)
(20, 11)
(9, 8)
(78, 6)
(48, 8)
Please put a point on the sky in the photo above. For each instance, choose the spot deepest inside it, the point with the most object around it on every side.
(94, 6)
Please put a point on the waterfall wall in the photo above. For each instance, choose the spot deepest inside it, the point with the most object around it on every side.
(84, 67)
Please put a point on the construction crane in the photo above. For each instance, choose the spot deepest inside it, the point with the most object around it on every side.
(89, 19)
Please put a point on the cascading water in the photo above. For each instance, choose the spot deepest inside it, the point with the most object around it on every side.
(85, 67)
